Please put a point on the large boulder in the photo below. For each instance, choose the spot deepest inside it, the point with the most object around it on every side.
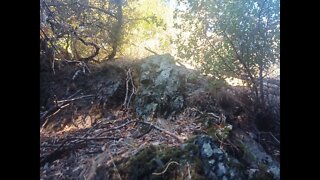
(160, 88)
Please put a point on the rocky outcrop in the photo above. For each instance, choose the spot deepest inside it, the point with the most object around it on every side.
(219, 141)
(159, 93)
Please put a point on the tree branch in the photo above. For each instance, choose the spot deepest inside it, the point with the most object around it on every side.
(56, 4)
(151, 51)
(223, 59)
(244, 64)
(101, 10)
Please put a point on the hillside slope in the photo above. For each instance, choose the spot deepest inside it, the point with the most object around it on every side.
(152, 119)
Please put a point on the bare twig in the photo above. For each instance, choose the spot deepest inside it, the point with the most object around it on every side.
(216, 116)
(118, 127)
(274, 138)
(189, 174)
(127, 89)
(71, 96)
(70, 61)
(85, 66)
(53, 46)
(150, 51)
(278, 142)
(94, 138)
(73, 99)
(172, 162)
(121, 126)
(92, 127)
(76, 74)
(133, 88)
(44, 114)
(48, 117)
(133, 91)
(180, 139)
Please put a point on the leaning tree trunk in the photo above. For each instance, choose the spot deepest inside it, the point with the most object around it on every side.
(261, 85)
(117, 31)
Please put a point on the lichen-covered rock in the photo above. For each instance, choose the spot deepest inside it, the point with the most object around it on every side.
(215, 161)
(159, 92)
(261, 164)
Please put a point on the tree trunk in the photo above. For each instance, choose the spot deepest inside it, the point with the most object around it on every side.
(261, 85)
(117, 31)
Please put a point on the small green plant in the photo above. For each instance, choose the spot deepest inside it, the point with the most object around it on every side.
(192, 77)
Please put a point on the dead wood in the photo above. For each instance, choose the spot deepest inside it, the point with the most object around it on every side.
(73, 99)
(180, 139)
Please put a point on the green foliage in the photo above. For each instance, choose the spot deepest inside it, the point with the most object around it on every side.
(147, 26)
(229, 38)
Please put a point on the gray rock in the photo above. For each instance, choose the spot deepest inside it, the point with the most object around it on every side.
(211, 161)
(275, 171)
(207, 149)
(159, 92)
(214, 160)
(221, 169)
(255, 154)
(217, 151)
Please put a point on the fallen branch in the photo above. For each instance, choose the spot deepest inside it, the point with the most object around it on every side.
(94, 138)
(73, 99)
(121, 126)
(118, 127)
(71, 96)
(180, 139)
(172, 162)
(92, 127)
(56, 110)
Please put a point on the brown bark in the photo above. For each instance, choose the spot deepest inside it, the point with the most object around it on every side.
(117, 31)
